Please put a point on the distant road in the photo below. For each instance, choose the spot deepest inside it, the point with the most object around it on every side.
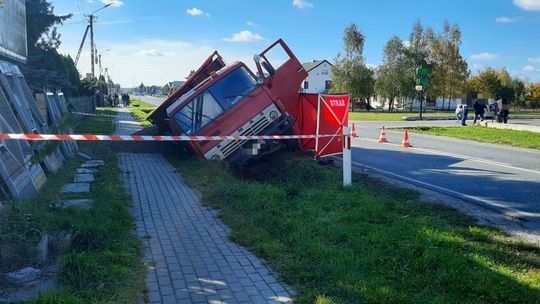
(503, 178)
(150, 99)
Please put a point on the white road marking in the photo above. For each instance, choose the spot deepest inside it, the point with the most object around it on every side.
(436, 152)
(511, 212)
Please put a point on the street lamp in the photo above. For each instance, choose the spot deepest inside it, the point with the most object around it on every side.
(92, 17)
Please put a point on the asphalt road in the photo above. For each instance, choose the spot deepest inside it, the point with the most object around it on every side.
(499, 178)
(150, 99)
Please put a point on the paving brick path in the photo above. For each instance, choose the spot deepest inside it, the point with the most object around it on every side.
(189, 252)
(126, 127)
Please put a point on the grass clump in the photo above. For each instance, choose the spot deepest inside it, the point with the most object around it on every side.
(372, 243)
(522, 139)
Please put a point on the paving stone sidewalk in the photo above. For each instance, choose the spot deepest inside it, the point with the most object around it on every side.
(126, 127)
(189, 252)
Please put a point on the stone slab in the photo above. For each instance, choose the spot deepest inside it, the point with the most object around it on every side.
(85, 156)
(43, 248)
(86, 171)
(76, 188)
(78, 203)
(92, 164)
(84, 178)
(23, 276)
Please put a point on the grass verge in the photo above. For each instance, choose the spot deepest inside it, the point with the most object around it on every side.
(522, 139)
(97, 125)
(104, 263)
(141, 110)
(372, 243)
(137, 103)
(388, 116)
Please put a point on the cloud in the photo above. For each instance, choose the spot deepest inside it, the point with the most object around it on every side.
(154, 53)
(530, 68)
(302, 4)
(251, 23)
(528, 5)
(244, 36)
(506, 19)
(152, 61)
(484, 56)
(196, 12)
(114, 3)
(535, 60)
(406, 43)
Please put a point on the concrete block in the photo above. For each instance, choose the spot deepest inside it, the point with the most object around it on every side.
(43, 248)
(23, 276)
(60, 242)
(76, 188)
(86, 171)
(84, 178)
(92, 164)
(85, 156)
(78, 203)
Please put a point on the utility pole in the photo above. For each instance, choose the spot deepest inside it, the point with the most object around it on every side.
(92, 45)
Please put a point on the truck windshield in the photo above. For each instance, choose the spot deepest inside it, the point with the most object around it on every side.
(218, 98)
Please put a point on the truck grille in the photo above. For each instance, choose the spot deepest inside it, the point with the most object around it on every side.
(254, 129)
(255, 126)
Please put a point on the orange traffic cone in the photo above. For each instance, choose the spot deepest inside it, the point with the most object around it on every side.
(353, 132)
(382, 138)
(405, 143)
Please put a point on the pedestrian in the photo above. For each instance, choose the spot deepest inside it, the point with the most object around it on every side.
(459, 111)
(125, 99)
(479, 111)
(464, 114)
(116, 99)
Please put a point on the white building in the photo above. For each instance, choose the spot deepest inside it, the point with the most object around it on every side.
(319, 79)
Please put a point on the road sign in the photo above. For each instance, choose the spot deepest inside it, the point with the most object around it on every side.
(423, 81)
(419, 88)
(423, 72)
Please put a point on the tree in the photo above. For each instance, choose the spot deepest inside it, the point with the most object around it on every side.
(533, 92)
(350, 73)
(393, 76)
(166, 89)
(450, 69)
(499, 84)
(142, 88)
(45, 66)
(487, 83)
(418, 55)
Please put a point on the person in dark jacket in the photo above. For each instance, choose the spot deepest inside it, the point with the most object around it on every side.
(479, 111)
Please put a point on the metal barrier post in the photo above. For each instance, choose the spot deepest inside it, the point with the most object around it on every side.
(347, 161)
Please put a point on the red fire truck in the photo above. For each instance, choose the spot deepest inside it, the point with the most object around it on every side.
(220, 99)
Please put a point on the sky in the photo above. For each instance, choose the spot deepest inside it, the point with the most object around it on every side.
(158, 41)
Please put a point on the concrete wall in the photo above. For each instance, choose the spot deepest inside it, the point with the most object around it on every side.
(13, 38)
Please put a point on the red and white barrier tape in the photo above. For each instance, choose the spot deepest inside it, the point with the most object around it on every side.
(93, 137)
(123, 117)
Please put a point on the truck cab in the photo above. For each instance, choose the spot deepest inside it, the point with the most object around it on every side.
(235, 101)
